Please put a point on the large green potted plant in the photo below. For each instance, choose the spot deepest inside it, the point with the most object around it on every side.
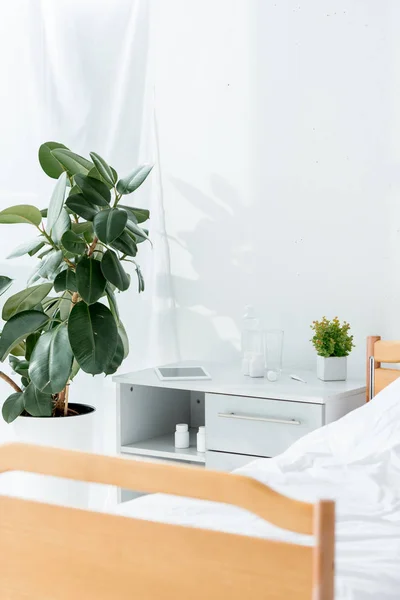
(67, 318)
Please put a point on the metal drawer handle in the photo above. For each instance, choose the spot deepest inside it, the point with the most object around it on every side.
(263, 419)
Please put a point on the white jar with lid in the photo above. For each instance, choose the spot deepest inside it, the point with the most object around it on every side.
(257, 365)
(182, 435)
(201, 439)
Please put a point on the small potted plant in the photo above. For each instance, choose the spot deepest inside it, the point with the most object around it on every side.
(333, 343)
(67, 317)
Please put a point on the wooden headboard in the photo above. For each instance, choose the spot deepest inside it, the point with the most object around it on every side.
(378, 352)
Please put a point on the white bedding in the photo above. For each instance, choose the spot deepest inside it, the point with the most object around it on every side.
(356, 461)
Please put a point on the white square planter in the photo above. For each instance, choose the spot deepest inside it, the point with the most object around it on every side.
(332, 368)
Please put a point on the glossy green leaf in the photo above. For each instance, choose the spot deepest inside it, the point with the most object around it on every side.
(80, 206)
(104, 170)
(90, 280)
(62, 225)
(30, 344)
(132, 235)
(73, 242)
(5, 283)
(50, 165)
(51, 360)
(52, 306)
(114, 272)
(18, 328)
(75, 369)
(74, 190)
(50, 264)
(93, 336)
(89, 236)
(37, 403)
(13, 407)
(128, 210)
(49, 302)
(56, 202)
(139, 239)
(137, 231)
(24, 382)
(22, 213)
(117, 358)
(124, 337)
(112, 302)
(19, 366)
(18, 349)
(85, 229)
(45, 253)
(36, 249)
(65, 305)
(66, 280)
(72, 163)
(125, 244)
(140, 279)
(109, 224)
(81, 228)
(96, 175)
(94, 190)
(26, 247)
(137, 215)
(131, 182)
(25, 300)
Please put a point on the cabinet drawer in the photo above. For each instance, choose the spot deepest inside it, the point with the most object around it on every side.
(225, 461)
(257, 426)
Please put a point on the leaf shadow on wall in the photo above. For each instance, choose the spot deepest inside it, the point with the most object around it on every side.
(209, 307)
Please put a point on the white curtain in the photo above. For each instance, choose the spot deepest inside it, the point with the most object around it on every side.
(80, 72)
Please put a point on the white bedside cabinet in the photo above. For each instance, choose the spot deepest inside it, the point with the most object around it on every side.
(245, 418)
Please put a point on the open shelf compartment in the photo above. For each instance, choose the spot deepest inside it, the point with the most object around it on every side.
(149, 417)
(162, 446)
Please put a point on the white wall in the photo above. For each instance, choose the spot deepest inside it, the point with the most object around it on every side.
(278, 160)
(278, 131)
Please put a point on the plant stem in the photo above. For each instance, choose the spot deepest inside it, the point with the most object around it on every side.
(69, 263)
(92, 246)
(48, 238)
(61, 400)
(10, 382)
(65, 392)
(66, 400)
(117, 197)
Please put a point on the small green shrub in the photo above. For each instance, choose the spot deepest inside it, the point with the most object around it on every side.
(332, 338)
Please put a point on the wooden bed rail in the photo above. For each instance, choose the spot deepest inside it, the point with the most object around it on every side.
(237, 490)
(381, 351)
(58, 553)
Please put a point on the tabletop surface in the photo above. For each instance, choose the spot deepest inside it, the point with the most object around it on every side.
(227, 379)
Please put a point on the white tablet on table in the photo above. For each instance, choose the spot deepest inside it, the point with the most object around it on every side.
(181, 373)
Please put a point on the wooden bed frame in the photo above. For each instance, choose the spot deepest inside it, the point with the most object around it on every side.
(57, 553)
(378, 352)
